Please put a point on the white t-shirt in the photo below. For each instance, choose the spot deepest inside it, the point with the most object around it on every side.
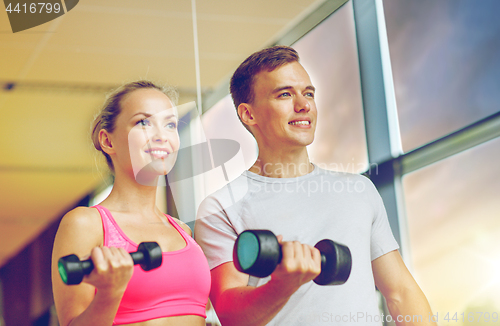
(342, 207)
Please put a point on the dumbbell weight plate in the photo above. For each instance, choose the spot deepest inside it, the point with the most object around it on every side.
(336, 263)
(247, 250)
(148, 255)
(256, 252)
(66, 267)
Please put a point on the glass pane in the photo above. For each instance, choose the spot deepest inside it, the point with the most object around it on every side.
(446, 64)
(329, 55)
(221, 122)
(454, 225)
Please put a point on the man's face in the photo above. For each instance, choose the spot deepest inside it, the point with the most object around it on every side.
(283, 107)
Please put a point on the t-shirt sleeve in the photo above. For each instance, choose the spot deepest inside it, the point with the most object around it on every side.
(382, 239)
(214, 232)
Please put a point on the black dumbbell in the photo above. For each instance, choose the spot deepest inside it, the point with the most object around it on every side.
(72, 269)
(257, 253)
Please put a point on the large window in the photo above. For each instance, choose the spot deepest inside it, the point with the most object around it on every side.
(446, 64)
(329, 55)
(445, 59)
(454, 225)
(221, 122)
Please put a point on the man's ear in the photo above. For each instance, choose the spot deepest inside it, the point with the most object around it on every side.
(105, 142)
(245, 111)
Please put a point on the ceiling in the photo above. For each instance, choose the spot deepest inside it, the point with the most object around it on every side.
(53, 79)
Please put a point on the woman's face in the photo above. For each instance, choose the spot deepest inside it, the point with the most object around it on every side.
(146, 138)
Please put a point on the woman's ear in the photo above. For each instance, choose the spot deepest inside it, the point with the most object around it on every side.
(105, 142)
(245, 111)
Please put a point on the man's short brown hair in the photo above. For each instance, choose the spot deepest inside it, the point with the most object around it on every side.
(241, 86)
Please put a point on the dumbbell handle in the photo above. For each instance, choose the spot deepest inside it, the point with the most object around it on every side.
(323, 258)
(88, 265)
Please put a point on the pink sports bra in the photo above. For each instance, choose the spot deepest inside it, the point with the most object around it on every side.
(180, 286)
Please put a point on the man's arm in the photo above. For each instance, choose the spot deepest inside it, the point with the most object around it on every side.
(404, 297)
(236, 303)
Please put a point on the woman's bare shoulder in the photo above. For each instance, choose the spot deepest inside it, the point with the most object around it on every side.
(81, 226)
(82, 218)
(184, 226)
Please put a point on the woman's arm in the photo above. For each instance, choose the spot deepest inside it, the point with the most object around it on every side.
(80, 233)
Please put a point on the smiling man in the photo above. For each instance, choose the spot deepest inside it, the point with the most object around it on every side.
(292, 197)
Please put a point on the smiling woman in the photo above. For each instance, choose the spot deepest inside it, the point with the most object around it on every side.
(137, 133)
(150, 159)
(153, 140)
(106, 120)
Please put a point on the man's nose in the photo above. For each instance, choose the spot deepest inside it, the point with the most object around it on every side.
(302, 104)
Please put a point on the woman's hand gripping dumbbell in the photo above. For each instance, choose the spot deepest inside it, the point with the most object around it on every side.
(72, 269)
(258, 252)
